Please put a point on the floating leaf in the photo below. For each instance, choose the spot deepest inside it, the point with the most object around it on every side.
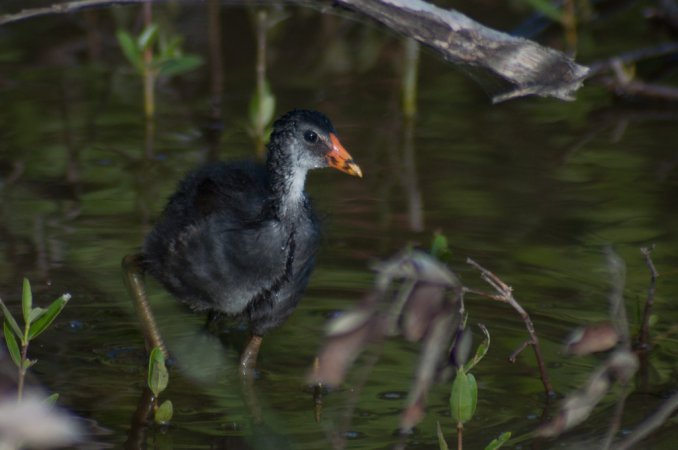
(12, 344)
(130, 49)
(481, 351)
(442, 444)
(158, 377)
(178, 65)
(41, 323)
(10, 319)
(26, 300)
(147, 37)
(164, 412)
(501, 440)
(464, 396)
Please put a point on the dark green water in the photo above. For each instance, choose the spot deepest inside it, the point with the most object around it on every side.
(533, 189)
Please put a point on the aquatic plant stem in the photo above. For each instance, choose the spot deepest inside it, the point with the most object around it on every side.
(22, 369)
(460, 436)
(259, 128)
(506, 296)
(149, 71)
(644, 338)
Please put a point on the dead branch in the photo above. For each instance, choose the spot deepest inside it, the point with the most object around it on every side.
(65, 8)
(632, 57)
(506, 296)
(530, 68)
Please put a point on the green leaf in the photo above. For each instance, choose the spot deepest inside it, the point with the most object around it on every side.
(130, 50)
(35, 314)
(481, 351)
(52, 399)
(178, 65)
(147, 37)
(10, 319)
(442, 444)
(501, 440)
(164, 412)
(158, 377)
(26, 300)
(464, 396)
(45, 320)
(12, 344)
(28, 363)
(547, 8)
(262, 106)
(439, 247)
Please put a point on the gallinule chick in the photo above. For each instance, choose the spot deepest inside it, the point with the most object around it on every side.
(240, 238)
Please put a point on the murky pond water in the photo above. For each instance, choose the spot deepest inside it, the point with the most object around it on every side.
(533, 189)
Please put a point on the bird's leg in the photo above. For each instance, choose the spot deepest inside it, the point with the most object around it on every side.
(249, 357)
(134, 280)
(247, 362)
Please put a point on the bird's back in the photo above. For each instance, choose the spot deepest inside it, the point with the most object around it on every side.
(220, 246)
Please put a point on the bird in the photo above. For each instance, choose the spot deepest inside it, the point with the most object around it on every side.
(240, 238)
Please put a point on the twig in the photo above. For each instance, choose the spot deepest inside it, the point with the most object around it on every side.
(518, 351)
(615, 423)
(632, 57)
(506, 296)
(65, 8)
(643, 341)
(650, 424)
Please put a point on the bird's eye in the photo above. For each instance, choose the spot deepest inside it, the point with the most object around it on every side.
(311, 136)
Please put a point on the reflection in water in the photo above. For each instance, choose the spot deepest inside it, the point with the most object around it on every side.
(77, 192)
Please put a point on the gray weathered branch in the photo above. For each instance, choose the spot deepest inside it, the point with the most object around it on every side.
(530, 68)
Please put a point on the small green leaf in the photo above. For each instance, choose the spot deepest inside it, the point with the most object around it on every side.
(26, 300)
(52, 399)
(164, 412)
(442, 444)
(178, 65)
(28, 363)
(501, 440)
(439, 247)
(147, 37)
(10, 319)
(35, 314)
(464, 396)
(262, 106)
(12, 344)
(130, 49)
(481, 351)
(45, 320)
(158, 377)
(547, 8)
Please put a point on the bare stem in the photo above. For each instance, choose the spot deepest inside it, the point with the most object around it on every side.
(651, 423)
(644, 339)
(460, 436)
(22, 372)
(506, 295)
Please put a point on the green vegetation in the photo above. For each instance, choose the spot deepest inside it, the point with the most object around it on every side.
(36, 321)
(154, 54)
(158, 378)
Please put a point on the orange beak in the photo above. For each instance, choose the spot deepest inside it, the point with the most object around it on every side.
(340, 159)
